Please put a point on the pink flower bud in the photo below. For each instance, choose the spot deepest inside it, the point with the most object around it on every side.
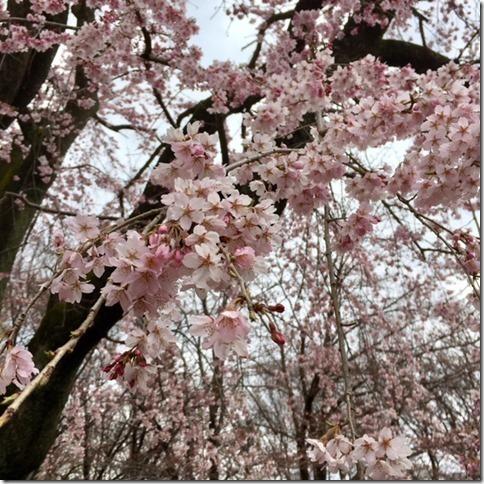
(58, 240)
(197, 150)
(154, 240)
(278, 338)
(178, 256)
(277, 308)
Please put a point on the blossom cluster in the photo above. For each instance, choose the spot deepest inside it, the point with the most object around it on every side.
(382, 458)
(438, 112)
(212, 238)
(19, 37)
(72, 283)
(229, 330)
(469, 247)
(214, 235)
(17, 367)
(355, 228)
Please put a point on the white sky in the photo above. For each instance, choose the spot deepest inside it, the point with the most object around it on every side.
(219, 38)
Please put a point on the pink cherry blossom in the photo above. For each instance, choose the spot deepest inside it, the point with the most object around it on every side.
(207, 265)
(366, 449)
(131, 251)
(392, 447)
(185, 211)
(70, 286)
(228, 331)
(85, 227)
(18, 368)
(244, 257)
(201, 235)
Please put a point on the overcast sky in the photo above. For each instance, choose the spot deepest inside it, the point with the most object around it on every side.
(219, 38)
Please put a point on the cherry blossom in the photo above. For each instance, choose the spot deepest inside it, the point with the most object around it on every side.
(385, 458)
(18, 368)
(366, 449)
(228, 331)
(185, 211)
(392, 447)
(207, 264)
(85, 227)
(319, 192)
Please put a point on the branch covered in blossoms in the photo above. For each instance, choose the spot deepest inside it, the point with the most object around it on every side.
(328, 113)
(383, 458)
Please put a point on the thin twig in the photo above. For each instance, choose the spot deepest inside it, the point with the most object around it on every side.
(421, 19)
(339, 327)
(48, 369)
(54, 211)
(261, 33)
(245, 161)
(163, 106)
(120, 127)
(43, 22)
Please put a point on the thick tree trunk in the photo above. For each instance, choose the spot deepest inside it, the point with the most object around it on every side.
(26, 438)
(19, 83)
(22, 74)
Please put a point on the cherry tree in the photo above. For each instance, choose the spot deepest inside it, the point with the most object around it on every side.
(307, 227)
(295, 391)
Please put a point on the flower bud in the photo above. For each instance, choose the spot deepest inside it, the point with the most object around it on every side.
(259, 307)
(178, 256)
(277, 308)
(278, 338)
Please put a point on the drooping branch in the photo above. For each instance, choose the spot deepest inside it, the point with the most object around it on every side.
(53, 211)
(21, 175)
(335, 302)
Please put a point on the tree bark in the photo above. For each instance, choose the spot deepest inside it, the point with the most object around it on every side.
(21, 174)
(23, 74)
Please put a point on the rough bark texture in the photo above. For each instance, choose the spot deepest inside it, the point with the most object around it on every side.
(22, 74)
(25, 440)
(19, 83)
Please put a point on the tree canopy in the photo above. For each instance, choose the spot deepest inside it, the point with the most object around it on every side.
(256, 269)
